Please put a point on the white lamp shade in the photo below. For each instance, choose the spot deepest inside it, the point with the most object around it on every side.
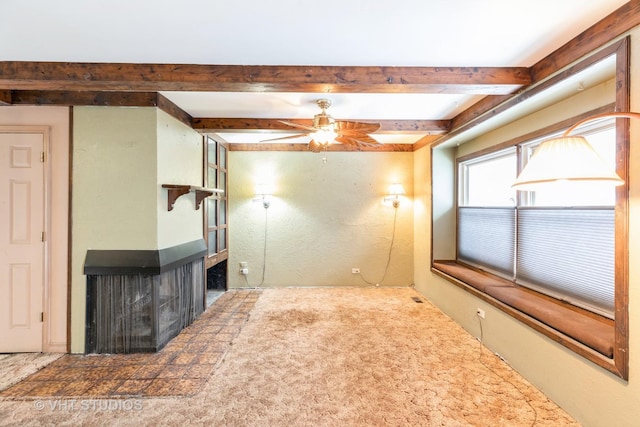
(264, 190)
(396, 190)
(569, 158)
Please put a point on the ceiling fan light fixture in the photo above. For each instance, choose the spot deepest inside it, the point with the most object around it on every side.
(316, 147)
(323, 121)
(324, 136)
(326, 130)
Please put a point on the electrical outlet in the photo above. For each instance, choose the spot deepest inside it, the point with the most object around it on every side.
(480, 313)
(355, 271)
(243, 264)
(244, 271)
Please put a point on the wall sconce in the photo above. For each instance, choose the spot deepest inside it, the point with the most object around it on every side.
(395, 191)
(263, 194)
(568, 158)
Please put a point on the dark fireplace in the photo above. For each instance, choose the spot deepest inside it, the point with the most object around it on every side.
(139, 300)
(217, 277)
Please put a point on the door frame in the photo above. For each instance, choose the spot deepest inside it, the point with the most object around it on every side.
(45, 131)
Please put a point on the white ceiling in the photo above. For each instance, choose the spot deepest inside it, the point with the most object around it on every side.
(489, 33)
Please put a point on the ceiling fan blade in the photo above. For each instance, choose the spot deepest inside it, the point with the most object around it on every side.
(357, 140)
(298, 125)
(298, 135)
(347, 127)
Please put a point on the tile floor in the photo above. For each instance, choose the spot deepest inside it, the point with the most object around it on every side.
(213, 295)
(180, 369)
(14, 367)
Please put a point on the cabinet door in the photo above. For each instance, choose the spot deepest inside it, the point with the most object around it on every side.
(215, 170)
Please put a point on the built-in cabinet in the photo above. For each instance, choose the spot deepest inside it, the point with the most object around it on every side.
(216, 208)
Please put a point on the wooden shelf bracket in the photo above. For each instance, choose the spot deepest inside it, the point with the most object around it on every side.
(174, 191)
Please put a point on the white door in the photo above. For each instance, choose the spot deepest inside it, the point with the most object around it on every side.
(21, 241)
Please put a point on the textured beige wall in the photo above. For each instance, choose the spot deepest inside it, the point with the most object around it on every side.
(444, 214)
(324, 219)
(121, 158)
(114, 178)
(57, 119)
(589, 393)
(422, 215)
(114, 197)
(180, 160)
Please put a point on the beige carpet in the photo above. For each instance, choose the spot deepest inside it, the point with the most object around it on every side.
(18, 366)
(333, 357)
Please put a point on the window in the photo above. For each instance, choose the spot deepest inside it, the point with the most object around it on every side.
(517, 283)
(486, 181)
(559, 242)
(486, 213)
(216, 206)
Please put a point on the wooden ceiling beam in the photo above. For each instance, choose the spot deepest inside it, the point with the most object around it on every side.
(5, 97)
(248, 124)
(68, 98)
(403, 148)
(97, 98)
(78, 76)
(166, 105)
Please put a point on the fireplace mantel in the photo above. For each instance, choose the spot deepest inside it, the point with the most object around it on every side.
(110, 262)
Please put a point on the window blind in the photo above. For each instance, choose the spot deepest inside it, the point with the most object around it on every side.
(569, 254)
(486, 238)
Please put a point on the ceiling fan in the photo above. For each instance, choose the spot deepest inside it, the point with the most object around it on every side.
(327, 130)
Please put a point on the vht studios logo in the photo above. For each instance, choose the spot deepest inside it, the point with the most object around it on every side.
(95, 405)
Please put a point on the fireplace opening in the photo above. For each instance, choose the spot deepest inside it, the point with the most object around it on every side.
(216, 281)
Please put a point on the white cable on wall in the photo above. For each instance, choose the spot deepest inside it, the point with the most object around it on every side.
(386, 268)
(264, 252)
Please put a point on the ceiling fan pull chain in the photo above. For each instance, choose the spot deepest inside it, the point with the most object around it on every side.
(324, 158)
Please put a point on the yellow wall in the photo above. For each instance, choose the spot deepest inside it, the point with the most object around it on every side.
(422, 220)
(324, 219)
(180, 160)
(591, 394)
(121, 157)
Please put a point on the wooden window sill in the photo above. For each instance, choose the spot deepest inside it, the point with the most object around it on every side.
(564, 323)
